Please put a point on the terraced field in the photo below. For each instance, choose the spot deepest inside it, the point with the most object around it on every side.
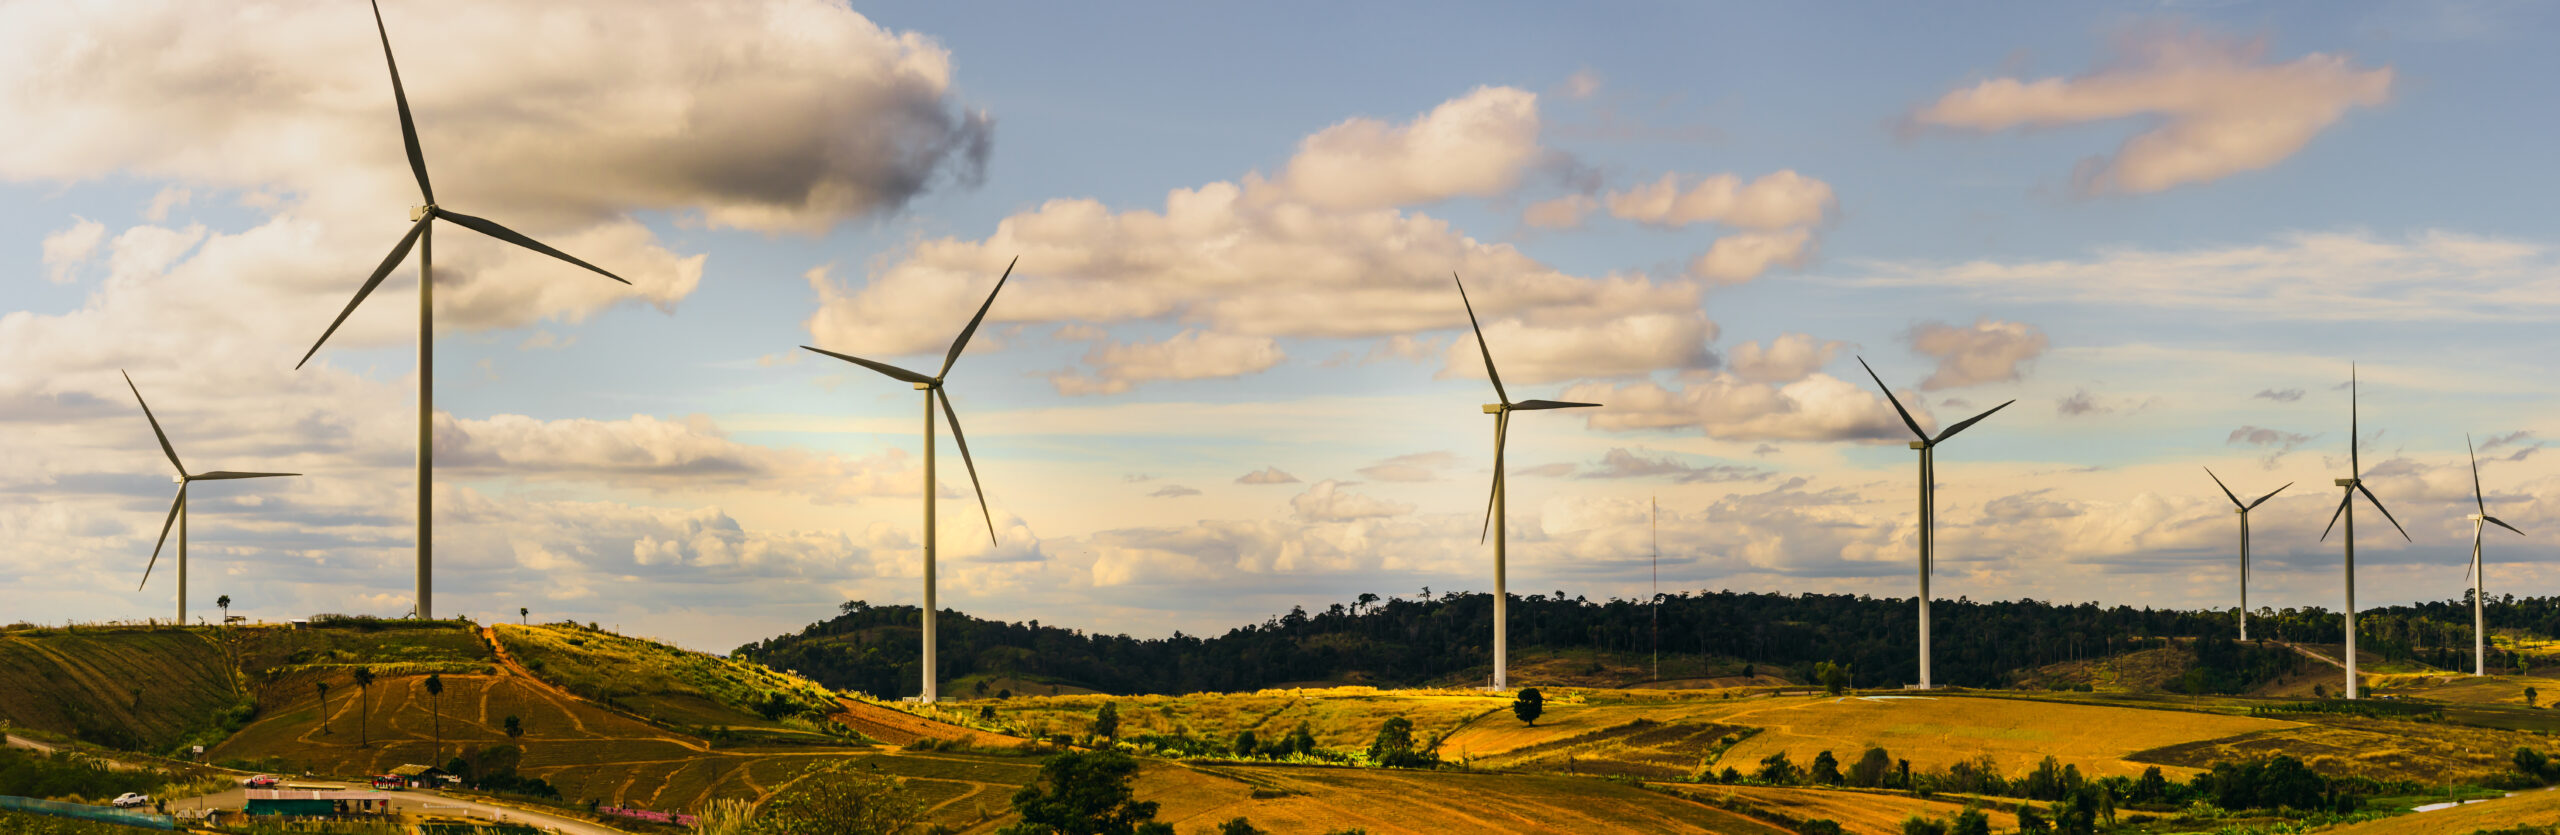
(1340, 717)
(131, 687)
(1862, 813)
(674, 685)
(1382, 801)
(2342, 745)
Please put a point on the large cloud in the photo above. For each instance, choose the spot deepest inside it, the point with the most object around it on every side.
(1720, 405)
(2220, 109)
(1987, 351)
(1314, 252)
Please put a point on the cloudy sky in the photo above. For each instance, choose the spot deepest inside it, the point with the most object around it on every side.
(1231, 373)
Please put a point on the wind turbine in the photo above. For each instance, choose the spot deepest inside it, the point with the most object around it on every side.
(932, 388)
(1495, 506)
(2352, 485)
(178, 507)
(2243, 510)
(1928, 447)
(421, 235)
(2478, 574)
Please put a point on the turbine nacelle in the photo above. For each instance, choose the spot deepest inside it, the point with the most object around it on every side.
(418, 213)
(1496, 408)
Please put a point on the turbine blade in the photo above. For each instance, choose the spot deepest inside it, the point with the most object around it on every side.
(171, 451)
(1501, 431)
(165, 524)
(2226, 489)
(962, 441)
(219, 475)
(2476, 497)
(2270, 494)
(399, 253)
(2467, 565)
(1533, 405)
(1967, 423)
(2386, 512)
(2334, 514)
(1487, 350)
(492, 229)
(408, 127)
(1897, 402)
(2495, 521)
(882, 367)
(963, 342)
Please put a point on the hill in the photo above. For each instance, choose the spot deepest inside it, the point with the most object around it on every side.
(1712, 638)
(138, 688)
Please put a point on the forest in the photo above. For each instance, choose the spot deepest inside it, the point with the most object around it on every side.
(1427, 639)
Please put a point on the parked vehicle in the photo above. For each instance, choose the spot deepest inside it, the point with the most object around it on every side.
(262, 781)
(387, 782)
(130, 800)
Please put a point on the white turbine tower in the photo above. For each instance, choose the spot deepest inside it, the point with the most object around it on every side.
(2479, 571)
(2351, 485)
(1927, 446)
(421, 235)
(932, 388)
(2243, 509)
(178, 507)
(1495, 505)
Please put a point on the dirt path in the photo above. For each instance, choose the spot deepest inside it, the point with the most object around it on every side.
(2314, 655)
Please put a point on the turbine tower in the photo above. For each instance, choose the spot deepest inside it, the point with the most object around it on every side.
(1927, 446)
(421, 235)
(2243, 509)
(178, 507)
(1495, 506)
(932, 388)
(2478, 573)
(2351, 485)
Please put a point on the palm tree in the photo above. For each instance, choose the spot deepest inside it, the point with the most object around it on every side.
(324, 706)
(224, 603)
(521, 614)
(435, 694)
(364, 692)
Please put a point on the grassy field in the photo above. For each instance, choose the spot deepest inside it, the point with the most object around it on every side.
(1381, 801)
(131, 687)
(1865, 813)
(2428, 752)
(1343, 718)
(679, 687)
(2539, 807)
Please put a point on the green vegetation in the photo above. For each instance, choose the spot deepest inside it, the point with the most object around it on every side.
(1528, 705)
(28, 823)
(81, 683)
(68, 776)
(1082, 793)
(674, 687)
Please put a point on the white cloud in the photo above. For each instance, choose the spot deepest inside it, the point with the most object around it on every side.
(1720, 405)
(1564, 212)
(1629, 346)
(1786, 359)
(1173, 491)
(1474, 145)
(2219, 108)
(1419, 466)
(66, 249)
(1988, 351)
(1267, 475)
(1327, 501)
(2354, 276)
(1779, 200)
(1737, 258)
(1621, 463)
(169, 198)
(1190, 355)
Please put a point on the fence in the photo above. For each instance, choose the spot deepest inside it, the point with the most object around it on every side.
(677, 818)
(81, 811)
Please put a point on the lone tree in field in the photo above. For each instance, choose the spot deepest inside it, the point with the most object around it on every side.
(1085, 793)
(435, 703)
(1106, 722)
(1529, 705)
(224, 603)
(1834, 677)
(515, 728)
(523, 616)
(1394, 746)
(364, 697)
(324, 705)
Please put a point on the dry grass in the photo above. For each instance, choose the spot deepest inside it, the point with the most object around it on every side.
(1342, 718)
(137, 687)
(2427, 752)
(1866, 813)
(2532, 808)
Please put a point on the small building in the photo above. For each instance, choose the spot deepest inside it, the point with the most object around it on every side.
(417, 776)
(304, 803)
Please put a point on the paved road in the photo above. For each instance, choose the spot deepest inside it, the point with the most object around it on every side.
(419, 801)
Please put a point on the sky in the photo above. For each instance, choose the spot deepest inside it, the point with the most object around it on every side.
(1230, 373)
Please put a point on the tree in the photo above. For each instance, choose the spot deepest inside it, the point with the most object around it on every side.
(2530, 695)
(2031, 821)
(1834, 677)
(1239, 826)
(364, 695)
(1917, 825)
(1394, 746)
(1301, 740)
(1971, 821)
(324, 705)
(435, 703)
(1106, 722)
(1826, 769)
(224, 603)
(1246, 745)
(515, 727)
(1084, 793)
(524, 615)
(1529, 705)
(1872, 769)
(841, 798)
(2152, 787)
(1777, 769)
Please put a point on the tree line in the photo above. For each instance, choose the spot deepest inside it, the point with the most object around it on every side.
(1426, 638)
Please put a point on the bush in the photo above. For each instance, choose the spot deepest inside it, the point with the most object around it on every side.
(1917, 825)
(1080, 793)
(1394, 746)
(1529, 705)
(1238, 826)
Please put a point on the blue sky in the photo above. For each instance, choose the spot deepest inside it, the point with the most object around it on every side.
(1963, 201)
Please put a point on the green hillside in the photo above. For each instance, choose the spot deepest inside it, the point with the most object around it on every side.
(139, 688)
